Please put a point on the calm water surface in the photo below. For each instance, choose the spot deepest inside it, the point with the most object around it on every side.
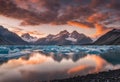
(44, 63)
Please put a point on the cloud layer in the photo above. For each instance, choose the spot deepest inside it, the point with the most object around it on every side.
(34, 12)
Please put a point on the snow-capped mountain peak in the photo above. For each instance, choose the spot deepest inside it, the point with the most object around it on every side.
(27, 37)
(64, 32)
(65, 38)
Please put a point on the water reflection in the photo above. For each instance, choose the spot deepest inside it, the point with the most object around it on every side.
(39, 63)
(39, 67)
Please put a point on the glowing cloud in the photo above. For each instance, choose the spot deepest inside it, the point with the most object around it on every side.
(100, 30)
(78, 24)
(93, 21)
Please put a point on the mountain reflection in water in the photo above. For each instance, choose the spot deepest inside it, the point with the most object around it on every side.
(40, 66)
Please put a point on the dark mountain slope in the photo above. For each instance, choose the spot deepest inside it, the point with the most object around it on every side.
(8, 38)
(110, 38)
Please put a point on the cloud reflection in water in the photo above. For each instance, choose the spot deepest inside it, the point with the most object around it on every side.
(40, 66)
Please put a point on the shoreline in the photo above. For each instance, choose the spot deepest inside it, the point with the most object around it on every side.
(106, 76)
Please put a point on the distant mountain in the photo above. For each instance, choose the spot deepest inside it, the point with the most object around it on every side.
(9, 38)
(110, 38)
(27, 37)
(65, 38)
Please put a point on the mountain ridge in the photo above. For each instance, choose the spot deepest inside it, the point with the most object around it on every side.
(65, 38)
(62, 38)
(9, 38)
(110, 38)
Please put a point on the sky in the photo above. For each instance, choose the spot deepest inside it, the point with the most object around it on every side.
(39, 30)
(42, 17)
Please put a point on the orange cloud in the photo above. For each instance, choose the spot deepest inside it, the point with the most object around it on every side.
(18, 31)
(100, 30)
(97, 17)
(92, 23)
(78, 24)
(35, 33)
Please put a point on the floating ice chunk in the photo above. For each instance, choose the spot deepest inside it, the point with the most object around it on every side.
(4, 50)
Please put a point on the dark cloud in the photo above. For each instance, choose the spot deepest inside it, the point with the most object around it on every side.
(95, 3)
(35, 12)
(114, 4)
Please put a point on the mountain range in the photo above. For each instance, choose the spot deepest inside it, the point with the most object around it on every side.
(63, 38)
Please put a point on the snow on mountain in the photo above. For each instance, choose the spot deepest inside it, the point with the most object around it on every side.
(64, 38)
(71, 39)
(27, 37)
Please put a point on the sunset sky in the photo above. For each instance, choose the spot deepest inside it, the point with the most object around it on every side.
(39, 30)
(42, 17)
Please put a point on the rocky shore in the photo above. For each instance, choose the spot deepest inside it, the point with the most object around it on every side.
(110, 76)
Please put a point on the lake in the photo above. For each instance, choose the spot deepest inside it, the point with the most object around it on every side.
(44, 63)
